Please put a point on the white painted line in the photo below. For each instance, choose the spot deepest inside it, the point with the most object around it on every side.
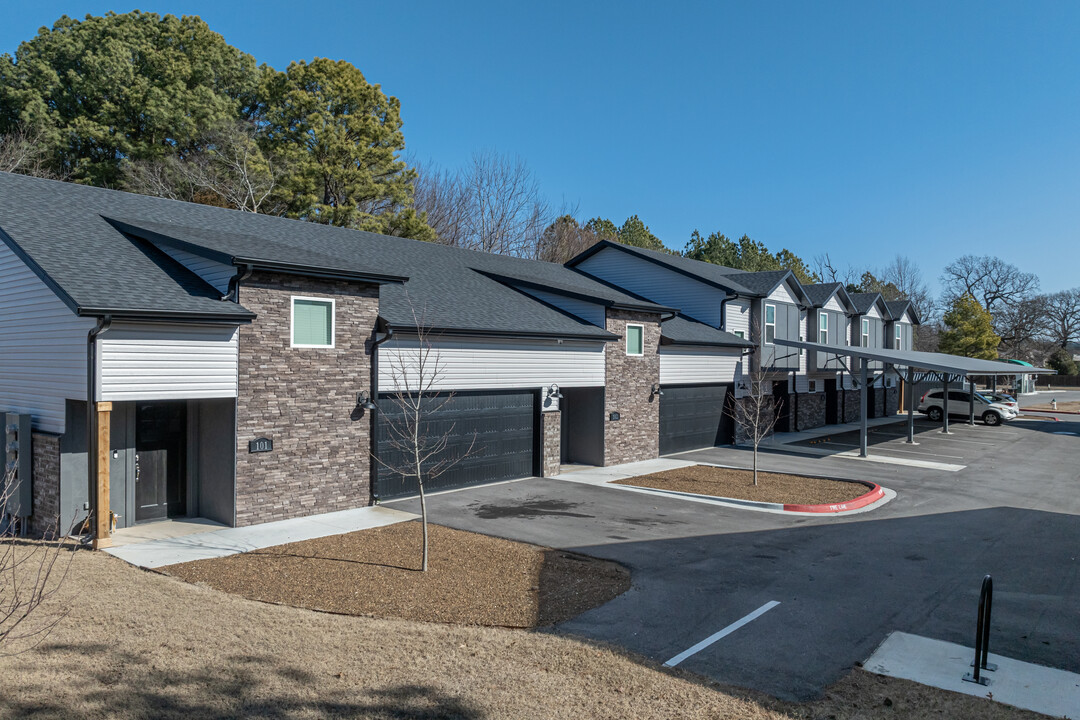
(723, 633)
(890, 448)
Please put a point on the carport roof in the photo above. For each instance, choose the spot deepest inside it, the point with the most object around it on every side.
(936, 362)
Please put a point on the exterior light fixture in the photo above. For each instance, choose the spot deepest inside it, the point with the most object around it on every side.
(656, 389)
(363, 400)
(553, 391)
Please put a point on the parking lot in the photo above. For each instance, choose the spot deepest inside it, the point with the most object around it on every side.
(842, 583)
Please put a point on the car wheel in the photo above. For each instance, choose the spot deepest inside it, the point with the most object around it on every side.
(934, 414)
(991, 418)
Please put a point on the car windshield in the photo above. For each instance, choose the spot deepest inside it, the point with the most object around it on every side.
(982, 398)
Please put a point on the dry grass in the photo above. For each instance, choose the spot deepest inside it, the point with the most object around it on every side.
(142, 645)
(473, 579)
(739, 484)
(1068, 406)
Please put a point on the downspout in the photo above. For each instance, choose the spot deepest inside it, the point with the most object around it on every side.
(374, 464)
(103, 325)
(233, 292)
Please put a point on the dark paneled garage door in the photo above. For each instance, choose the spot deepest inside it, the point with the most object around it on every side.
(693, 417)
(503, 425)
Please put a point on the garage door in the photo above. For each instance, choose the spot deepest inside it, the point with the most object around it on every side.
(499, 426)
(693, 417)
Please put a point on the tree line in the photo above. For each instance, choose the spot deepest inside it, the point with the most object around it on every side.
(164, 106)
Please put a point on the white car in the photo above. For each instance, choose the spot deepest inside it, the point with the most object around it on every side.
(992, 413)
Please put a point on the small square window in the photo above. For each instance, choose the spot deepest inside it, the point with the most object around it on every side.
(312, 323)
(812, 385)
(739, 334)
(635, 339)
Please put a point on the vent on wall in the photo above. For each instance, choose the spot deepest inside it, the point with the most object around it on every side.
(15, 457)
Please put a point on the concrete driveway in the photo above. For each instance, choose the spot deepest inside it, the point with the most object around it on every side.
(843, 583)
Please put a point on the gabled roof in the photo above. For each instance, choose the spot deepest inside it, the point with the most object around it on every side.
(862, 303)
(97, 264)
(681, 330)
(731, 280)
(820, 293)
(897, 308)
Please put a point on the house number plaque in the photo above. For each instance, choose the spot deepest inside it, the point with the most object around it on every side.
(260, 445)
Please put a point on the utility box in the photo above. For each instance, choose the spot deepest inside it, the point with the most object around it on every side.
(15, 461)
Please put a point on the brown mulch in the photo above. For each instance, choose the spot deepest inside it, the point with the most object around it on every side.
(472, 579)
(739, 484)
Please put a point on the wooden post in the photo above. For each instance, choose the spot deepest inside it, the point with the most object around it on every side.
(103, 519)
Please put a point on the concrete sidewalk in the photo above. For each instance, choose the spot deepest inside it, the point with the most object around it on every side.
(943, 664)
(786, 438)
(230, 541)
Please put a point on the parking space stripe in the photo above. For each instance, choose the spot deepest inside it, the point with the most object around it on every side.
(888, 448)
(723, 633)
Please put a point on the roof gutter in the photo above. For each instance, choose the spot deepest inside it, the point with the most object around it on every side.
(509, 334)
(102, 327)
(240, 276)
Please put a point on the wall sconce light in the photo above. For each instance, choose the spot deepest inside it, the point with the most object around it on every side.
(553, 391)
(656, 391)
(363, 400)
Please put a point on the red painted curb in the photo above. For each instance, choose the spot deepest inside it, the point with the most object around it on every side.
(875, 494)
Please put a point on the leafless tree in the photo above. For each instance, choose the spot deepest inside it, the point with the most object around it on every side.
(418, 448)
(564, 239)
(494, 204)
(907, 277)
(1061, 316)
(757, 410)
(990, 280)
(21, 152)
(31, 572)
(228, 169)
(823, 266)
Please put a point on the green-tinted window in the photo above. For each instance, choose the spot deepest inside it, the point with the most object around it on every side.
(635, 340)
(313, 323)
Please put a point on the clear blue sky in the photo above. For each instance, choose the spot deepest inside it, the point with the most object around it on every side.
(858, 128)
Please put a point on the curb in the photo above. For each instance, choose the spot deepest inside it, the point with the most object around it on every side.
(876, 493)
(1052, 412)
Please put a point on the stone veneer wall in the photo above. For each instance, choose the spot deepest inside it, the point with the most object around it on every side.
(852, 400)
(742, 430)
(304, 399)
(636, 435)
(552, 448)
(45, 477)
(892, 400)
(879, 402)
(811, 410)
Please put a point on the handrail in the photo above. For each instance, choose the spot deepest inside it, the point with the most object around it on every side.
(982, 635)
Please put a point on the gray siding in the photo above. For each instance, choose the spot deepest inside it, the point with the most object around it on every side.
(42, 346)
(589, 312)
(837, 336)
(787, 328)
(656, 283)
(215, 273)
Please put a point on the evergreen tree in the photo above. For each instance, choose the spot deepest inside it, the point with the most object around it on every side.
(969, 330)
(635, 232)
(1061, 360)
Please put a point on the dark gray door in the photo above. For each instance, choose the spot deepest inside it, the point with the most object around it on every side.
(832, 403)
(500, 428)
(693, 416)
(160, 459)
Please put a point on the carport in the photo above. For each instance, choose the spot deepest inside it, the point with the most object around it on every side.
(914, 366)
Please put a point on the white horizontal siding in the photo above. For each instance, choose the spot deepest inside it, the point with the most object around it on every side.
(587, 311)
(692, 366)
(42, 347)
(802, 383)
(213, 272)
(485, 364)
(874, 312)
(657, 283)
(167, 362)
(834, 304)
(738, 317)
(783, 294)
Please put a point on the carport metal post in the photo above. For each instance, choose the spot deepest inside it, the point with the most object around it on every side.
(910, 407)
(945, 404)
(863, 367)
(971, 401)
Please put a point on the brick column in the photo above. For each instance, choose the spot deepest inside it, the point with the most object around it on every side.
(628, 391)
(552, 429)
(45, 520)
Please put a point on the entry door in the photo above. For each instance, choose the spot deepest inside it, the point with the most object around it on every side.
(160, 459)
(782, 406)
(832, 403)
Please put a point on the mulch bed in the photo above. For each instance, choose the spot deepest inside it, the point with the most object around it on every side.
(472, 579)
(739, 484)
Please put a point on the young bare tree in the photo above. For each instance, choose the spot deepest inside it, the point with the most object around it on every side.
(755, 413)
(418, 449)
(31, 572)
(21, 152)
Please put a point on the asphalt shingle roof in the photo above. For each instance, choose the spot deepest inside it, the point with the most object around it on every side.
(819, 293)
(681, 330)
(63, 229)
(898, 307)
(864, 301)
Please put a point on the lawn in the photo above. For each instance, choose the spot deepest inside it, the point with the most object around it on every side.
(1067, 406)
(139, 644)
(739, 484)
(472, 579)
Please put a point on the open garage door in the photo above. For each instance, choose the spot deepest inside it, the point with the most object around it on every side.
(503, 424)
(692, 417)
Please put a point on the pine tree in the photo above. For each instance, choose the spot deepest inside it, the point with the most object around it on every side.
(970, 330)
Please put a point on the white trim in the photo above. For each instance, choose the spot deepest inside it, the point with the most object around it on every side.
(766, 324)
(898, 336)
(823, 316)
(864, 334)
(811, 386)
(292, 321)
(626, 342)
